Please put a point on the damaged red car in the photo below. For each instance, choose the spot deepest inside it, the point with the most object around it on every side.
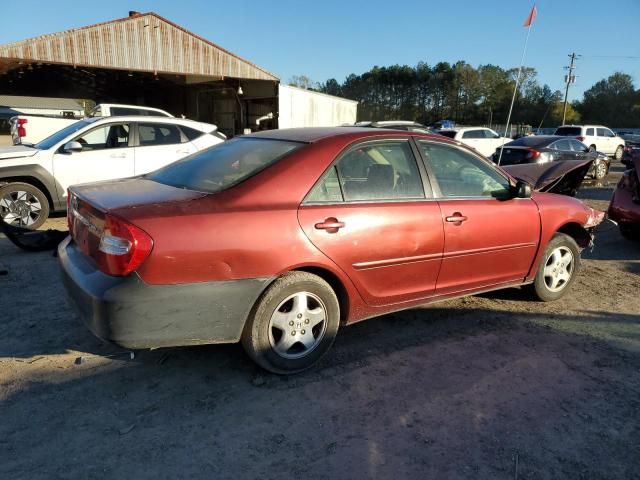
(624, 208)
(278, 238)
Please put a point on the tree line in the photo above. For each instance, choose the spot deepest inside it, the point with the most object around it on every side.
(479, 96)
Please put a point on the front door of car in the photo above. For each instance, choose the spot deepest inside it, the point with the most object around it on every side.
(490, 237)
(105, 155)
(160, 144)
(373, 216)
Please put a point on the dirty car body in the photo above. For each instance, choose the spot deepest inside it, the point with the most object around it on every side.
(624, 208)
(339, 224)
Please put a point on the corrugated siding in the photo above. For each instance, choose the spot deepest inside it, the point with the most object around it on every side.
(146, 43)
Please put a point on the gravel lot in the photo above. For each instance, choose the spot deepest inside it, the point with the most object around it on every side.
(488, 387)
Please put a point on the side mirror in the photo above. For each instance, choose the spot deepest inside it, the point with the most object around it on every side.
(72, 147)
(523, 189)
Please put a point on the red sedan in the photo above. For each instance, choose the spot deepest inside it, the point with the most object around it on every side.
(276, 239)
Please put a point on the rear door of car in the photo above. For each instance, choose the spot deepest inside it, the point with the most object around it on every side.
(491, 238)
(372, 213)
(106, 154)
(562, 149)
(605, 140)
(159, 144)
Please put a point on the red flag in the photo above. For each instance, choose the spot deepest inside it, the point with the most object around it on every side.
(532, 16)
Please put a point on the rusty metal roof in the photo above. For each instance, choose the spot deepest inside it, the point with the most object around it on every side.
(141, 42)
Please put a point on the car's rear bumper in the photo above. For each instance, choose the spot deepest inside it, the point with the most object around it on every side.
(133, 314)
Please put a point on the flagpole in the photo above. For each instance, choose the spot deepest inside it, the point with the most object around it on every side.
(515, 90)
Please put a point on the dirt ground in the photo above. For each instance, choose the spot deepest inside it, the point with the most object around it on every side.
(488, 387)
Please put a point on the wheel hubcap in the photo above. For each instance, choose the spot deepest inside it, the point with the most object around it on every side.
(20, 208)
(558, 269)
(298, 325)
(601, 170)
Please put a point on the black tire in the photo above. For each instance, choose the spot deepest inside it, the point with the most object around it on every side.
(618, 153)
(592, 148)
(542, 288)
(261, 336)
(629, 232)
(23, 205)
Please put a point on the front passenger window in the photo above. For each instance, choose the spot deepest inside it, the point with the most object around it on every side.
(461, 174)
(108, 136)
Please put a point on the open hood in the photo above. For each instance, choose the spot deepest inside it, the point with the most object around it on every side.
(563, 177)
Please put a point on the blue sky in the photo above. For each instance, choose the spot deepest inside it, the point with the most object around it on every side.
(335, 38)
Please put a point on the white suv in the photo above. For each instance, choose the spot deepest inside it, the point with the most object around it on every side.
(34, 178)
(596, 137)
(484, 140)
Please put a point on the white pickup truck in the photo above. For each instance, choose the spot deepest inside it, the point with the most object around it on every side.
(34, 178)
(30, 129)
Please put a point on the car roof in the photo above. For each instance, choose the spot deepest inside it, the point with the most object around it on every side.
(536, 140)
(314, 134)
(150, 118)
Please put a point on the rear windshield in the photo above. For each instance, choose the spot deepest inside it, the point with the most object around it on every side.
(530, 141)
(449, 133)
(568, 131)
(223, 165)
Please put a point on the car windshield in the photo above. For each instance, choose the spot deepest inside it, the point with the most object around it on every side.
(223, 165)
(60, 135)
(568, 131)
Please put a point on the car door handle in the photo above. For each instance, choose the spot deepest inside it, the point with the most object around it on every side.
(183, 151)
(118, 155)
(456, 218)
(331, 225)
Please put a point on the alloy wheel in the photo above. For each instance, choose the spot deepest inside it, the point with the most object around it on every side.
(601, 170)
(297, 325)
(558, 269)
(20, 208)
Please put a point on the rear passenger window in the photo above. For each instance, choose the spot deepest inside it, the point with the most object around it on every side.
(151, 134)
(380, 171)
(191, 133)
(473, 134)
(590, 132)
(461, 174)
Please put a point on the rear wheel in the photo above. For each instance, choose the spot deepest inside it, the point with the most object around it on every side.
(558, 268)
(23, 205)
(293, 323)
(619, 152)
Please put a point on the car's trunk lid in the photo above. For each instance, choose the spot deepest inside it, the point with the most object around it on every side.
(514, 155)
(90, 204)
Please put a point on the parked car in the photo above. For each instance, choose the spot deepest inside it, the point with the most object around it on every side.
(484, 140)
(624, 208)
(406, 125)
(552, 148)
(596, 137)
(30, 129)
(631, 148)
(34, 179)
(277, 238)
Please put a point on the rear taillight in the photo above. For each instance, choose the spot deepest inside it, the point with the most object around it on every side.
(532, 154)
(580, 138)
(22, 131)
(123, 247)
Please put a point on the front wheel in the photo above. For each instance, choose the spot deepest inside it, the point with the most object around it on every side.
(23, 205)
(558, 268)
(618, 154)
(600, 171)
(293, 323)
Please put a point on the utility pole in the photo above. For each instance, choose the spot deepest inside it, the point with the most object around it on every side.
(569, 79)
